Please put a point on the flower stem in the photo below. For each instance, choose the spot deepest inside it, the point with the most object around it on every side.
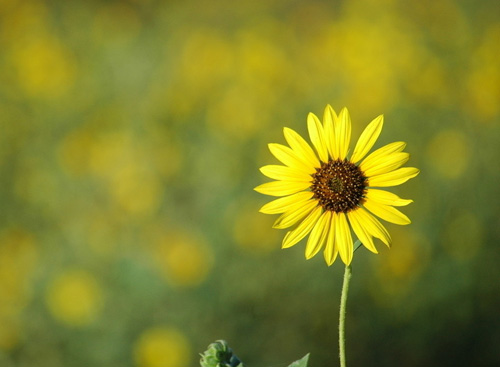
(343, 301)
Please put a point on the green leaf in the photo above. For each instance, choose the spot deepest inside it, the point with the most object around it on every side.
(301, 362)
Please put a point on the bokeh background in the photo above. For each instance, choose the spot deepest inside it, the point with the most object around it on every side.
(131, 133)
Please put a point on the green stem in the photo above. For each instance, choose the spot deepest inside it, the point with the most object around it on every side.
(343, 301)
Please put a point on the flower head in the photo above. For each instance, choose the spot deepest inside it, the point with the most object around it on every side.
(219, 354)
(326, 194)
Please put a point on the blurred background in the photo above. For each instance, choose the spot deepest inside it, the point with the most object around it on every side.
(131, 133)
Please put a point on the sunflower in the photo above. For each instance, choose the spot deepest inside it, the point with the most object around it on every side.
(325, 194)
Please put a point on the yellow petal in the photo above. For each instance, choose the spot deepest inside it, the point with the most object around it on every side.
(386, 198)
(373, 226)
(285, 173)
(302, 229)
(317, 135)
(331, 250)
(282, 188)
(343, 133)
(318, 235)
(367, 139)
(343, 238)
(294, 214)
(386, 212)
(289, 158)
(361, 232)
(388, 149)
(386, 164)
(329, 121)
(393, 178)
(300, 147)
(282, 205)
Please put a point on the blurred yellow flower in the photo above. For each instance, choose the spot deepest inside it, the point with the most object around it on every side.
(483, 80)
(116, 22)
(252, 232)
(74, 297)
(218, 58)
(405, 261)
(449, 152)
(45, 67)
(322, 191)
(136, 189)
(162, 347)
(184, 259)
(128, 165)
(236, 101)
(397, 272)
(74, 151)
(23, 19)
(462, 236)
(262, 61)
(18, 259)
(9, 333)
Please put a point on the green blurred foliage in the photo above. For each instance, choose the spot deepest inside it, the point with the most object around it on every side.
(131, 133)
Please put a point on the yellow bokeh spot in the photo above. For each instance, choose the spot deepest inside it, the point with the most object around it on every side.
(462, 236)
(102, 232)
(116, 22)
(428, 82)
(137, 190)
(449, 153)
(9, 333)
(217, 56)
(74, 152)
(252, 231)
(366, 72)
(483, 81)
(130, 168)
(22, 19)
(241, 103)
(18, 260)
(397, 268)
(261, 61)
(367, 57)
(184, 259)
(440, 17)
(110, 150)
(74, 298)
(45, 67)
(162, 347)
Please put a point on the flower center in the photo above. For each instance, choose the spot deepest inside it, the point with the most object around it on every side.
(338, 185)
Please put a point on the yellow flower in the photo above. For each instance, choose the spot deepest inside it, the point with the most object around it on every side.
(75, 298)
(324, 194)
(162, 347)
